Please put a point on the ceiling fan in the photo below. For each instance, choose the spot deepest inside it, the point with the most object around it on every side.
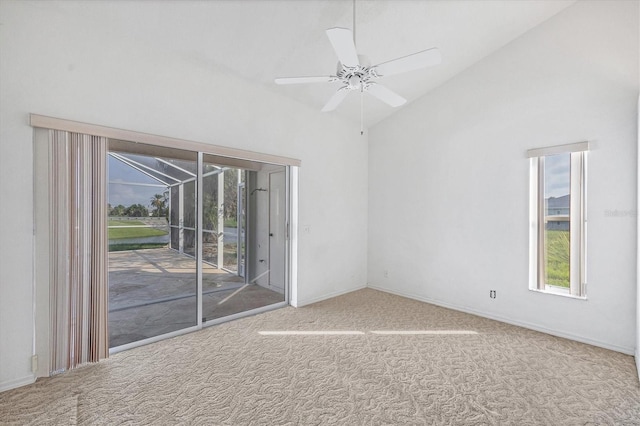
(354, 72)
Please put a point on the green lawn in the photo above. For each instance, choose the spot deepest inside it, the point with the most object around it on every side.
(231, 223)
(126, 247)
(121, 233)
(114, 222)
(557, 257)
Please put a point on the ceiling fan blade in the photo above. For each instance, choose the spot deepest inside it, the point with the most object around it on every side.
(300, 80)
(342, 41)
(336, 99)
(386, 95)
(423, 59)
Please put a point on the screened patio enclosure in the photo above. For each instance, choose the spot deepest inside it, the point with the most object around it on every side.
(193, 238)
(176, 179)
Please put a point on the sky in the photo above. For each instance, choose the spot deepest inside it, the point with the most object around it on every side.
(130, 194)
(557, 175)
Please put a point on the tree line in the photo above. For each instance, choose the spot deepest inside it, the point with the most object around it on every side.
(158, 206)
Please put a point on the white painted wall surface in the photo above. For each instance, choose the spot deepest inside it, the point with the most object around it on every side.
(68, 60)
(448, 187)
(637, 353)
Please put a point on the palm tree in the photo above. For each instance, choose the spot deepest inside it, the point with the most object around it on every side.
(158, 202)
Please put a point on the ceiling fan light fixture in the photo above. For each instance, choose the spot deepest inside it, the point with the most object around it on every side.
(355, 82)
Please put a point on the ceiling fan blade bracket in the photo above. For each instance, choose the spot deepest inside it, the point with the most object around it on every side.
(372, 73)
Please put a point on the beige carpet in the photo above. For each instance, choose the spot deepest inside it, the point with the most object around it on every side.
(232, 375)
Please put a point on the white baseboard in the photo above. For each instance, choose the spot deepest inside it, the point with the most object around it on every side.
(305, 302)
(570, 336)
(16, 383)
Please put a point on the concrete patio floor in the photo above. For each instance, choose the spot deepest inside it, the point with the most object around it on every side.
(153, 291)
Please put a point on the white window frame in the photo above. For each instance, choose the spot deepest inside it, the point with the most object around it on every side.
(577, 220)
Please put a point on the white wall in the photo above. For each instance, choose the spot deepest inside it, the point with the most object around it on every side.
(54, 63)
(637, 353)
(448, 187)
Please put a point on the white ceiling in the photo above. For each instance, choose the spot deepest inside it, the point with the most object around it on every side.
(261, 40)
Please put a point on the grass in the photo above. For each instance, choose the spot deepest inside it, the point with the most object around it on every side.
(557, 257)
(114, 222)
(125, 247)
(130, 231)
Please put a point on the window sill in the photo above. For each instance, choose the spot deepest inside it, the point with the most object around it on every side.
(558, 291)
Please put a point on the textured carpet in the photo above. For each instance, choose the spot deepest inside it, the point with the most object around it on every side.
(233, 374)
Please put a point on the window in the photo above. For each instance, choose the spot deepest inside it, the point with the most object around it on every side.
(558, 220)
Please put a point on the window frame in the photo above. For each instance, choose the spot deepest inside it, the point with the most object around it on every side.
(577, 220)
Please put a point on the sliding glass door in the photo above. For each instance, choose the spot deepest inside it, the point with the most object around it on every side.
(138, 241)
(194, 239)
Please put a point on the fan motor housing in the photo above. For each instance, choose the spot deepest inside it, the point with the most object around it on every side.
(356, 78)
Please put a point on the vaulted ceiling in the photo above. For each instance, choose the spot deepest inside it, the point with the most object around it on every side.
(261, 40)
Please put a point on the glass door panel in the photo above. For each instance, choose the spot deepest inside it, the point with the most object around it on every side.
(232, 177)
(227, 252)
(152, 241)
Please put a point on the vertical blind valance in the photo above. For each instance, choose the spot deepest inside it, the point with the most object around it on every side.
(78, 249)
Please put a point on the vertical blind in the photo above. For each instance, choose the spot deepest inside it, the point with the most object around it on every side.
(79, 257)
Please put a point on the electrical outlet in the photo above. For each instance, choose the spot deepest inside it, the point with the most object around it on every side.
(492, 294)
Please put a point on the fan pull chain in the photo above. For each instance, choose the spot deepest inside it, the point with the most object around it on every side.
(361, 110)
